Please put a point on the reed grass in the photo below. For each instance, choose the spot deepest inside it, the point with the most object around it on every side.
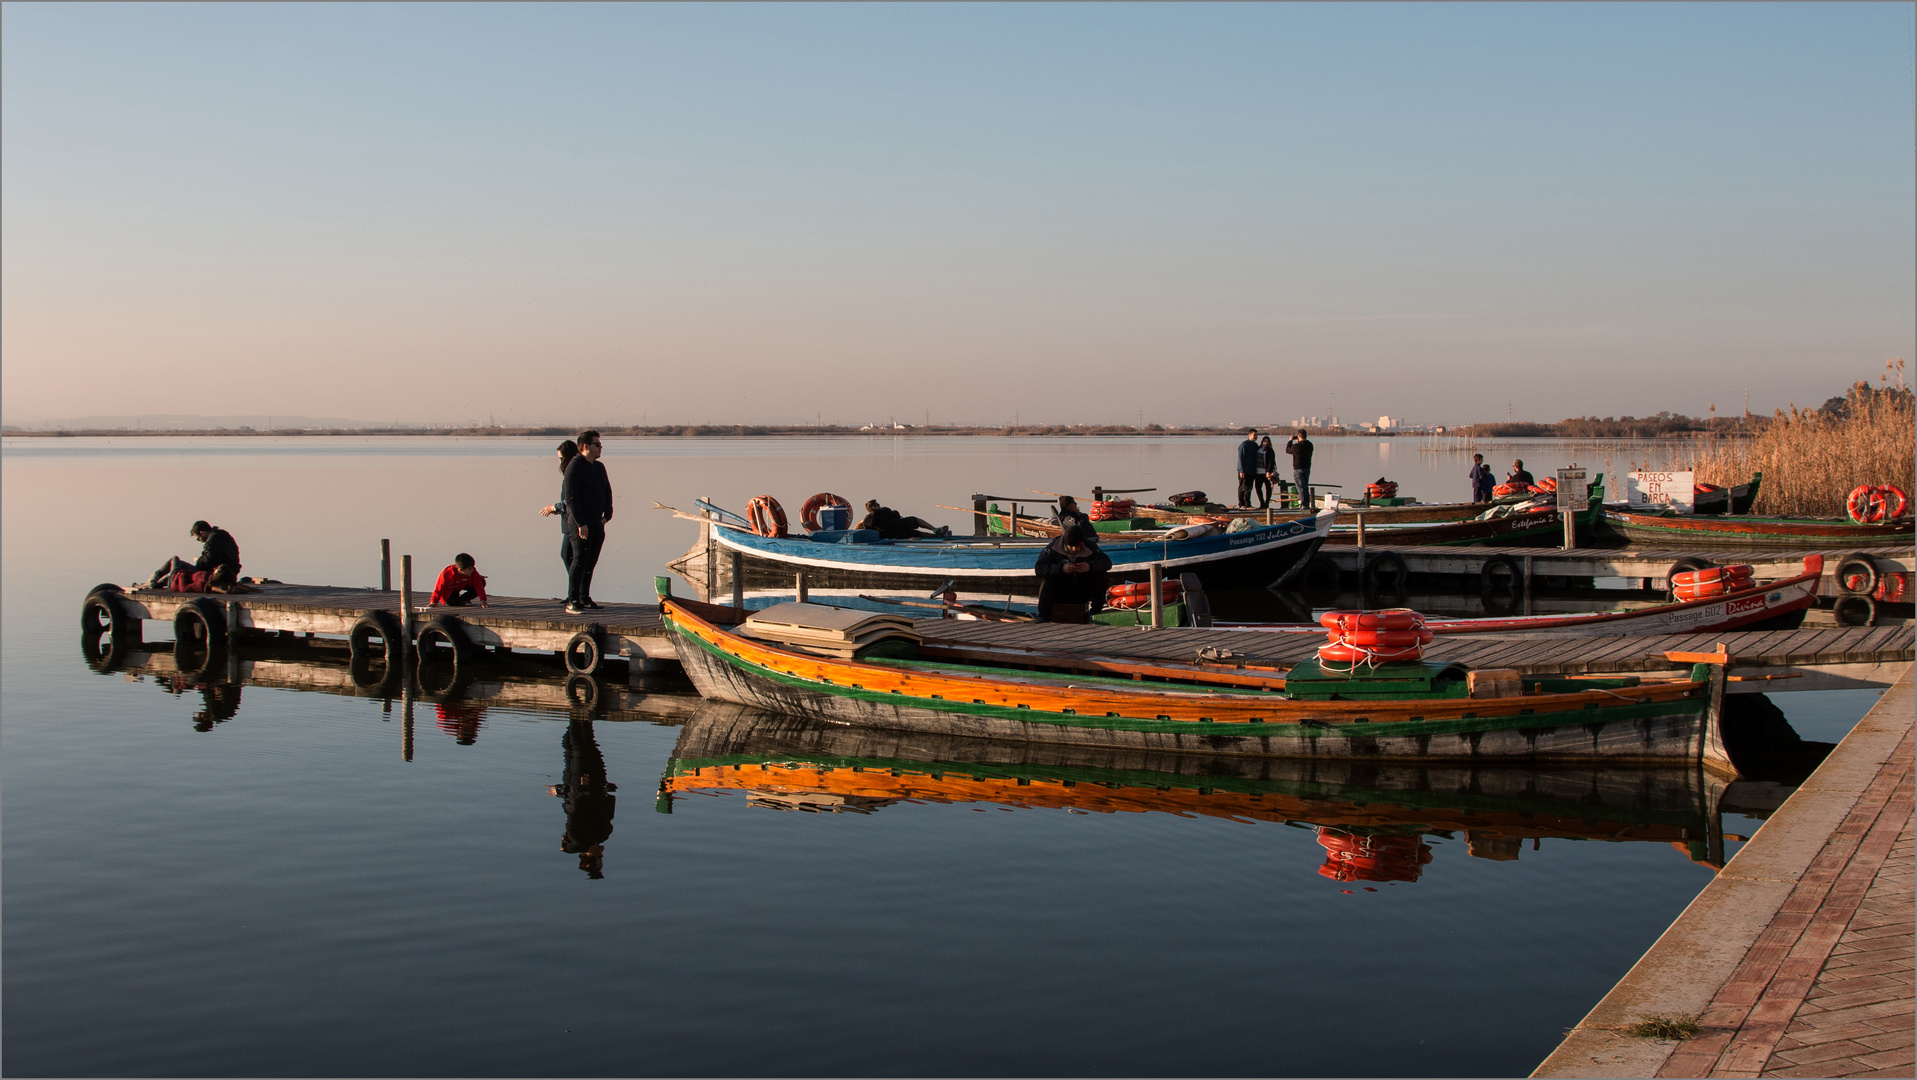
(1665, 1027)
(1812, 459)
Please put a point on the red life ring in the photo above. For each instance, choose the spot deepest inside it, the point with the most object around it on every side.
(1510, 489)
(762, 507)
(1389, 639)
(1548, 485)
(1339, 653)
(1893, 501)
(1865, 506)
(1382, 619)
(809, 515)
(1112, 510)
(1738, 574)
(1384, 489)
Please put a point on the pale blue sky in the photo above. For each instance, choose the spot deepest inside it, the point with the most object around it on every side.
(1210, 213)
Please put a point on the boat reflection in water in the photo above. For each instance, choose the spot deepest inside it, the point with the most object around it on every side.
(1371, 817)
(460, 702)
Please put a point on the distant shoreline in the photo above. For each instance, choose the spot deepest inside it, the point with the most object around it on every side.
(704, 431)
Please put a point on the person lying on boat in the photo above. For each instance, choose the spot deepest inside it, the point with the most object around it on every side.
(1070, 514)
(1072, 572)
(216, 570)
(1519, 475)
(891, 525)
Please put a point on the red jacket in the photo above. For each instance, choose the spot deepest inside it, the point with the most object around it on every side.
(451, 580)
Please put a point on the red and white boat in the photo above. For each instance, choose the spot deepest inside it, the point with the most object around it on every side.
(1762, 600)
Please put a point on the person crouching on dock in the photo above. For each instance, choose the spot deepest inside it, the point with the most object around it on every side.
(459, 584)
(1071, 572)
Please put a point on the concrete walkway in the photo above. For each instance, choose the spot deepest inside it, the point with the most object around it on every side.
(1797, 958)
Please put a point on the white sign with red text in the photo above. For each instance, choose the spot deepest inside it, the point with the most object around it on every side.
(1672, 490)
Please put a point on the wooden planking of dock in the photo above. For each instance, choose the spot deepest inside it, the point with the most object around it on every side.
(1650, 565)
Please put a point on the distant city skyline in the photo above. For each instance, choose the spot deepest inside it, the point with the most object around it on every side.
(1051, 213)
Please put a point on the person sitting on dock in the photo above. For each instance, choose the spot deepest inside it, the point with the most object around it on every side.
(219, 562)
(1519, 475)
(1070, 514)
(1482, 481)
(1073, 572)
(1248, 465)
(891, 525)
(459, 584)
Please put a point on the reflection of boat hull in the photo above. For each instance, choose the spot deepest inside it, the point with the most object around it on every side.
(800, 763)
(1253, 558)
(1650, 723)
(1707, 533)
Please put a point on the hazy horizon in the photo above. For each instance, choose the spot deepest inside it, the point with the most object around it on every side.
(1112, 214)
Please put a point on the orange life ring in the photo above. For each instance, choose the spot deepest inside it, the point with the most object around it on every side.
(1384, 489)
(1510, 489)
(1738, 574)
(1896, 509)
(1113, 509)
(762, 508)
(809, 515)
(1381, 619)
(1548, 485)
(1391, 639)
(1340, 653)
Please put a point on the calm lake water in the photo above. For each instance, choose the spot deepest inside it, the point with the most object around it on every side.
(213, 883)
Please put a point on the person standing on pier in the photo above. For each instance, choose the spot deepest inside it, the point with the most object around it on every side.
(1247, 466)
(1300, 450)
(588, 498)
(1481, 480)
(567, 451)
(1267, 479)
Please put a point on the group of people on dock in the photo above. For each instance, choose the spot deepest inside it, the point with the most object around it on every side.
(1258, 468)
(583, 509)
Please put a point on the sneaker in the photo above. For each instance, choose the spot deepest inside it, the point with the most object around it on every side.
(574, 609)
(942, 531)
(590, 605)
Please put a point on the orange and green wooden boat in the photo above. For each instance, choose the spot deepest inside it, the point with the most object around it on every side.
(1401, 710)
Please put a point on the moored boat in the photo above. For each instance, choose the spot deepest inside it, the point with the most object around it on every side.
(1253, 558)
(1761, 602)
(1410, 709)
(1695, 533)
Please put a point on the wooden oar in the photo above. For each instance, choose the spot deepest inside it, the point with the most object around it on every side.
(676, 512)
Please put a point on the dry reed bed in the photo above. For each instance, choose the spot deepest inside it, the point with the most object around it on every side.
(1811, 460)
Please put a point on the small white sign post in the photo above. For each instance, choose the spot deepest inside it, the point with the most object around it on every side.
(1574, 495)
(1662, 491)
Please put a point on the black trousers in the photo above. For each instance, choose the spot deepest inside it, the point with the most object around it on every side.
(1261, 487)
(585, 556)
(565, 552)
(1087, 588)
(1244, 489)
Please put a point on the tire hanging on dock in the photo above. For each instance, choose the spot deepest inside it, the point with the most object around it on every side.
(586, 652)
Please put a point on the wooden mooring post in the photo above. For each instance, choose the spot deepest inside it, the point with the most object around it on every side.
(406, 598)
(1158, 600)
(800, 588)
(385, 566)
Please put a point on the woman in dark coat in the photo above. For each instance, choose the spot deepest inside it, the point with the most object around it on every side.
(1267, 472)
(567, 451)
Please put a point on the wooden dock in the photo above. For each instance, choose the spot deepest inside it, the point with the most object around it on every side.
(1824, 657)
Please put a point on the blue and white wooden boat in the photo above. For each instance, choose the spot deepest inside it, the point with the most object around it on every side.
(1254, 558)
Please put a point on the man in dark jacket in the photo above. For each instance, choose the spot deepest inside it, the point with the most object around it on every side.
(1519, 474)
(1299, 447)
(1071, 571)
(1070, 514)
(219, 557)
(1248, 465)
(588, 498)
(1481, 480)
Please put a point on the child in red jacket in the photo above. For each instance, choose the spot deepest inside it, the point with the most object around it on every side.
(459, 584)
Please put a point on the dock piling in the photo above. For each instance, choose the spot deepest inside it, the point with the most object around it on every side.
(1158, 601)
(233, 641)
(801, 588)
(406, 596)
(385, 566)
(980, 523)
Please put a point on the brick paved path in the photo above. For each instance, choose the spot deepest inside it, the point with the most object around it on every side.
(1826, 990)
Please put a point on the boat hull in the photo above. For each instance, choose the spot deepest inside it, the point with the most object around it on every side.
(1255, 558)
(1731, 531)
(1668, 731)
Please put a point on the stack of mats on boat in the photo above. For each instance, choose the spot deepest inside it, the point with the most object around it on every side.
(828, 631)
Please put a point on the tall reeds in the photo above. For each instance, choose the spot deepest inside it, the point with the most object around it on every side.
(1812, 458)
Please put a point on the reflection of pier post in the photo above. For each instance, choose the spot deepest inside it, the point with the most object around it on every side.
(406, 658)
(406, 719)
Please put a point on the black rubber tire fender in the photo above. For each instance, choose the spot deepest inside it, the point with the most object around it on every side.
(103, 613)
(586, 652)
(453, 632)
(103, 652)
(382, 682)
(1488, 575)
(1375, 578)
(383, 625)
(1681, 566)
(1858, 562)
(202, 622)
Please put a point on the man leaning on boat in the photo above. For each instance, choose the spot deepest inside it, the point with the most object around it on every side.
(1072, 574)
